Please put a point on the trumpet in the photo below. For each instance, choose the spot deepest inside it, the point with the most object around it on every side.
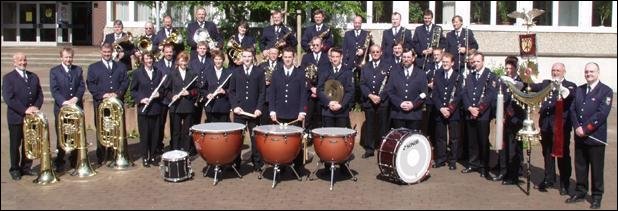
(202, 35)
(234, 49)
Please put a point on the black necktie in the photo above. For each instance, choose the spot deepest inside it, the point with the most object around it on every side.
(23, 75)
(588, 89)
(247, 71)
(446, 75)
(336, 70)
(375, 65)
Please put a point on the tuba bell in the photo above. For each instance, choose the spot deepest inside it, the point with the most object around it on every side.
(234, 50)
(120, 44)
(111, 131)
(36, 145)
(72, 136)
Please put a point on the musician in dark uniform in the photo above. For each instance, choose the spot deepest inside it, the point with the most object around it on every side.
(167, 30)
(244, 39)
(271, 34)
(288, 95)
(550, 132)
(335, 113)
(446, 98)
(407, 91)
(66, 83)
(22, 93)
(478, 96)
(589, 113)
(247, 91)
(149, 33)
(458, 40)
(396, 34)
(269, 66)
(123, 57)
(429, 112)
(165, 66)
(423, 37)
(198, 64)
(144, 85)
(373, 80)
(218, 110)
(319, 29)
(395, 60)
(511, 155)
(317, 58)
(201, 23)
(354, 44)
(182, 109)
(106, 78)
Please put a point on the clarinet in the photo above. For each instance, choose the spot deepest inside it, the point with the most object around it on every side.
(482, 94)
(386, 75)
(454, 90)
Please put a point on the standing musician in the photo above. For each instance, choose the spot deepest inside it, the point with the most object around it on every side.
(479, 94)
(589, 112)
(374, 100)
(446, 98)
(459, 42)
(199, 63)
(66, 83)
(106, 78)
(319, 59)
(353, 44)
(124, 56)
(272, 34)
(247, 91)
(244, 39)
(218, 110)
(395, 60)
(407, 92)
(429, 113)
(182, 109)
(397, 34)
(422, 39)
(21, 90)
(165, 66)
(334, 113)
(551, 132)
(167, 30)
(200, 22)
(318, 29)
(143, 86)
(316, 57)
(511, 155)
(269, 66)
(148, 33)
(288, 95)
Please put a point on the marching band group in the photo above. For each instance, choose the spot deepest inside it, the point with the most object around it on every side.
(411, 80)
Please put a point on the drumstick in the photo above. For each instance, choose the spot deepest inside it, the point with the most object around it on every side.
(292, 122)
(304, 144)
(248, 114)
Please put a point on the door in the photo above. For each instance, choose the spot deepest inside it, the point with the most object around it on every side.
(47, 22)
(81, 13)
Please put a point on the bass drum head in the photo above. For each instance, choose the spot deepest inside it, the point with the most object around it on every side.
(413, 158)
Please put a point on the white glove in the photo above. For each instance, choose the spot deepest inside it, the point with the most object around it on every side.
(507, 79)
(564, 92)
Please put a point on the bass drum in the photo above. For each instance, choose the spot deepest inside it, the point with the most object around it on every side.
(405, 156)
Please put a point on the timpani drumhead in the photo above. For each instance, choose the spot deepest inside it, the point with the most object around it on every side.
(217, 127)
(333, 131)
(278, 129)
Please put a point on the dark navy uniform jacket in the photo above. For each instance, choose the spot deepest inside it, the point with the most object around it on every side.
(212, 31)
(421, 38)
(453, 43)
(142, 87)
(447, 93)
(344, 75)
(401, 88)
(351, 43)
(548, 107)
(160, 66)
(100, 80)
(128, 49)
(270, 37)
(309, 58)
(388, 40)
(247, 41)
(162, 35)
(247, 91)
(371, 80)
(590, 111)
(175, 83)
(221, 102)
(312, 31)
(64, 86)
(200, 68)
(19, 94)
(473, 90)
(288, 94)
(514, 114)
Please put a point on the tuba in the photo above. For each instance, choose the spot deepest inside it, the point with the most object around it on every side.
(111, 131)
(36, 145)
(202, 34)
(72, 135)
(334, 90)
(234, 50)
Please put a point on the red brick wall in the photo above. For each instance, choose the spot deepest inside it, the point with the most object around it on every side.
(98, 21)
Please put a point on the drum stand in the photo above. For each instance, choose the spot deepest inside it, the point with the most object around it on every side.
(276, 169)
(332, 171)
(217, 170)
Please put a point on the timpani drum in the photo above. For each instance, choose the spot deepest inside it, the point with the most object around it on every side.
(333, 144)
(219, 143)
(278, 144)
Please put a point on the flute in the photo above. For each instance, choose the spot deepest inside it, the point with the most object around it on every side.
(153, 93)
(216, 93)
(183, 89)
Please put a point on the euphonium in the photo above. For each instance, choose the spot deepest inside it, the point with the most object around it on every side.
(36, 145)
(234, 50)
(111, 131)
(72, 135)
(174, 38)
(144, 44)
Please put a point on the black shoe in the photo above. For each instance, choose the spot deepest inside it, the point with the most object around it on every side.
(575, 198)
(367, 154)
(596, 204)
(28, 171)
(564, 191)
(438, 165)
(15, 175)
(544, 185)
(452, 167)
(153, 161)
(145, 163)
(469, 170)
(498, 177)
(58, 167)
(486, 175)
(509, 182)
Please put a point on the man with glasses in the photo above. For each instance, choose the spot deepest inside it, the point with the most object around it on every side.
(373, 80)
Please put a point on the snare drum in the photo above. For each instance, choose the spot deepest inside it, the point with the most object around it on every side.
(176, 166)
(404, 155)
(278, 144)
(218, 143)
(333, 144)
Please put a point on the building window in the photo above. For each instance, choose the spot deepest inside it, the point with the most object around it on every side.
(120, 10)
(382, 11)
(416, 9)
(479, 13)
(602, 13)
(447, 10)
(143, 12)
(546, 18)
(568, 14)
(9, 21)
(502, 11)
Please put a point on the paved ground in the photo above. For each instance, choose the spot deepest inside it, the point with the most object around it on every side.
(143, 188)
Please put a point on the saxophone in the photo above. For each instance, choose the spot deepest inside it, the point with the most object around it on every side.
(281, 42)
